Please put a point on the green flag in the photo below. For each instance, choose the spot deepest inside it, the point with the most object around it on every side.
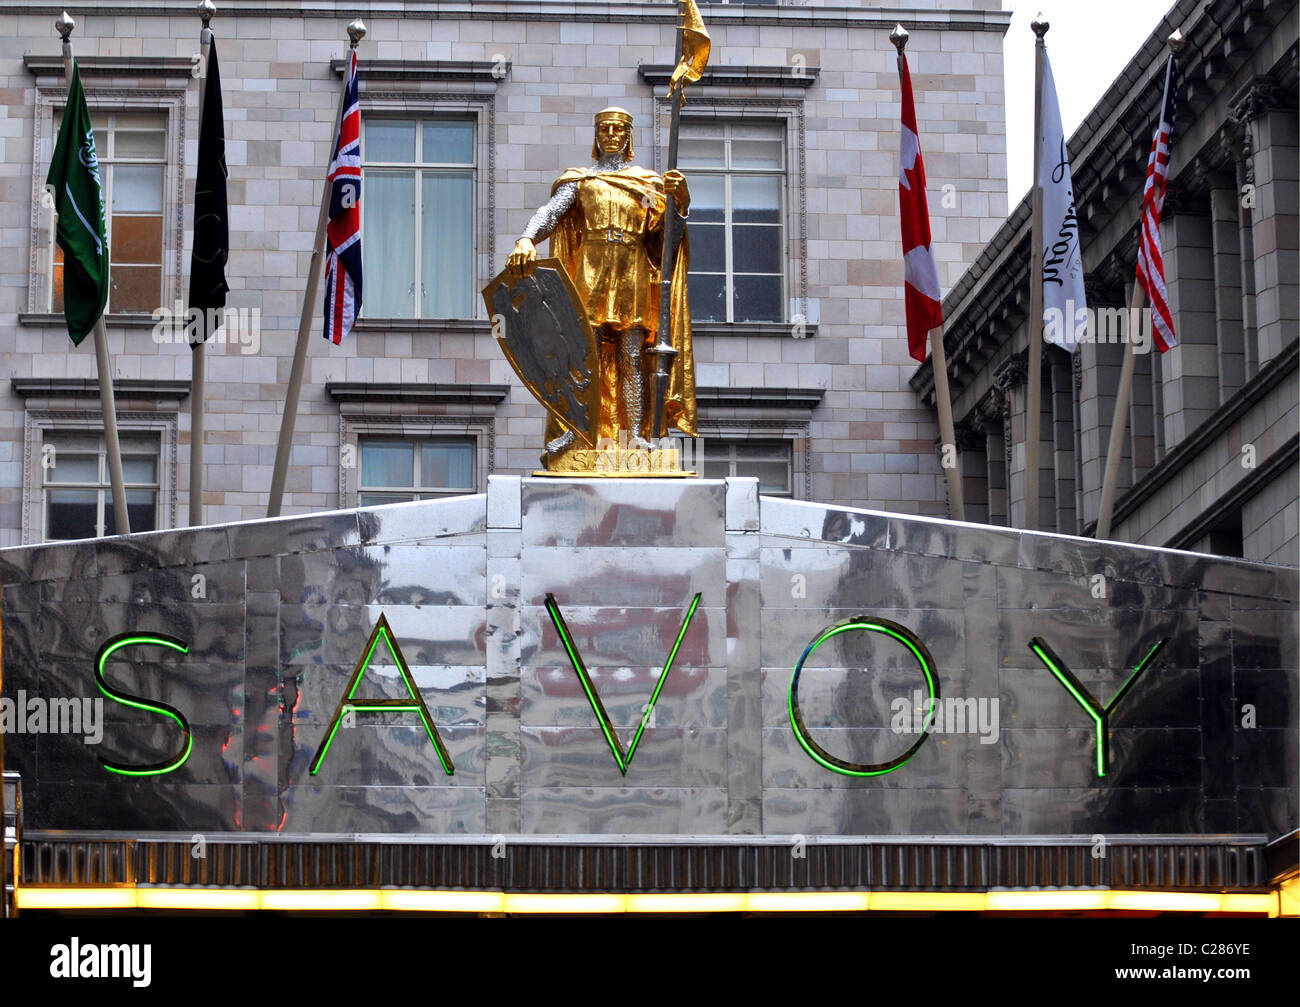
(79, 201)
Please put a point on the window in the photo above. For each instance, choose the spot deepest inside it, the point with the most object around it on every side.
(418, 217)
(394, 470)
(737, 178)
(769, 460)
(132, 151)
(78, 496)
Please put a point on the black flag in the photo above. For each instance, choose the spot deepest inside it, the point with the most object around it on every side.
(211, 213)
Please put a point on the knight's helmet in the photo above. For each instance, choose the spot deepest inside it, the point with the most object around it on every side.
(621, 115)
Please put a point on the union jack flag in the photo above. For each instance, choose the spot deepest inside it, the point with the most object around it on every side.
(343, 233)
(1150, 263)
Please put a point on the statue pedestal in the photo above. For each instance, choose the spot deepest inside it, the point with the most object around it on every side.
(617, 462)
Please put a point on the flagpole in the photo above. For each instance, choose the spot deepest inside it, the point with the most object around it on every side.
(938, 358)
(1033, 405)
(663, 349)
(121, 521)
(1119, 423)
(198, 353)
(356, 32)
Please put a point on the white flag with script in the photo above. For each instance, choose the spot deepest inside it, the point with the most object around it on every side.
(1064, 307)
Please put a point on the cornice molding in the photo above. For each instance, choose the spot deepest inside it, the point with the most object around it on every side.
(81, 388)
(416, 391)
(415, 70)
(112, 66)
(736, 76)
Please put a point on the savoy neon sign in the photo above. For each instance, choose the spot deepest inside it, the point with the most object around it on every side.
(349, 705)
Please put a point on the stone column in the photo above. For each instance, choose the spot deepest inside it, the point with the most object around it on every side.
(974, 468)
(1226, 235)
(992, 416)
(1190, 369)
(1058, 363)
(1099, 364)
(1010, 381)
(1275, 195)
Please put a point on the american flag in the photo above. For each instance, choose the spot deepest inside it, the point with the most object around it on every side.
(343, 233)
(1150, 263)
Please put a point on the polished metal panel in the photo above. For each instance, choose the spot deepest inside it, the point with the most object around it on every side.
(276, 616)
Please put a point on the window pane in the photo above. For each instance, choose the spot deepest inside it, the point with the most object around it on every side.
(135, 288)
(708, 297)
(137, 188)
(755, 200)
(141, 511)
(715, 468)
(760, 450)
(69, 468)
(699, 152)
(137, 239)
(449, 142)
(389, 140)
(139, 469)
(389, 253)
(446, 263)
(773, 477)
(708, 252)
(133, 143)
(706, 198)
(449, 464)
(378, 499)
(756, 249)
(756, 154)
(71, 514)
(757, 299)
(387, 463)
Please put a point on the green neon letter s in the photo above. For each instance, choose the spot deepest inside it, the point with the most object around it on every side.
(105, 652)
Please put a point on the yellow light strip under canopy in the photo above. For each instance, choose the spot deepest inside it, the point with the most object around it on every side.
(423, 900)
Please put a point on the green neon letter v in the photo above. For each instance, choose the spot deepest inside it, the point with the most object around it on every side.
(1100, 714)
(566, 638)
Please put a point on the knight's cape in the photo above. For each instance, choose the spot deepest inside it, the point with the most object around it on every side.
(566, 245)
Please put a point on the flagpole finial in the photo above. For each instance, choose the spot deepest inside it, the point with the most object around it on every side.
(64, 25)
(1040, 25)
(899, 37)
(206, 9)
(356, 32)
(1177, 41)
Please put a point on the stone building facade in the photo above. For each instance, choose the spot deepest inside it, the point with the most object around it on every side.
(1210, 459)
(801, 356)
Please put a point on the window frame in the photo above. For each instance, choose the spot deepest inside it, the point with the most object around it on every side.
(709, 452)
(108, 159)
(101, 100)
(420, 169)
(479, 106)
(797, 432)
(790, 113)
(356, 425)
(103, 484)
(416, 491)
(39, 422)
(728, 174)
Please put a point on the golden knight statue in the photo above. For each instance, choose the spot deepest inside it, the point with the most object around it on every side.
(606, 226)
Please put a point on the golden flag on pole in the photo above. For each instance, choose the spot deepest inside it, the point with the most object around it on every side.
(695, 49)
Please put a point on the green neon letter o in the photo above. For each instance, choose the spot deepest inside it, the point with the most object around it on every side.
(909, 640)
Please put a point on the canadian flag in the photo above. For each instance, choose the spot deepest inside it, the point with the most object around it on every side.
(921, 289)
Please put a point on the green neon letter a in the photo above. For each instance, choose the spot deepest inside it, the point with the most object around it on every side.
(414, 705)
